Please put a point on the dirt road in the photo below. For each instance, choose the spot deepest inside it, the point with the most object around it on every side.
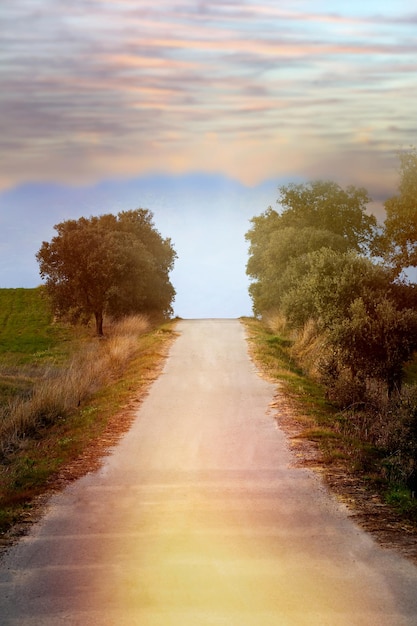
(198, 518)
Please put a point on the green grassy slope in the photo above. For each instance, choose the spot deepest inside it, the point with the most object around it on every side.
(29, 340)
(25, 323)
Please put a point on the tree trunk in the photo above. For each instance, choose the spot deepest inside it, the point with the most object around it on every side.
(99, 323)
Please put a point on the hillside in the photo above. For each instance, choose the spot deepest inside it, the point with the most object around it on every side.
(29, 340)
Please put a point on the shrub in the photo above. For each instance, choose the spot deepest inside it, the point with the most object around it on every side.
(389, 426)
(399, 438)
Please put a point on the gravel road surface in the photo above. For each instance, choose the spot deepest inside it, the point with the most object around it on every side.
(198, 517)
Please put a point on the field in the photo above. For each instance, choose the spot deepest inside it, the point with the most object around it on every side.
(29, 341)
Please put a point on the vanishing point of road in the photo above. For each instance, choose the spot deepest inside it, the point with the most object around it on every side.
(198, 517)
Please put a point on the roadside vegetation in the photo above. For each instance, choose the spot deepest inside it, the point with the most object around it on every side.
(77, 349)
(339, 319)
(61, 386)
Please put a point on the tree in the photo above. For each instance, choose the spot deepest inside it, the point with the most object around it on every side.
(376, 339)
(399, 239)
(322, 285)
(148, 289)
(108, 264)
(326, 206)
(366, 320)
(315, 215)
(269, 263)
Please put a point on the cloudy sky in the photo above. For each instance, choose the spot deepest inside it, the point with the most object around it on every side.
(242, 93)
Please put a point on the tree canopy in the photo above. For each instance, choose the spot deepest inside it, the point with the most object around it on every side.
(311, 264)
(324, 205)
(399, 239)
(115, 264)
(315, 215)
(327, 281)
(269, 262)
(368, 320)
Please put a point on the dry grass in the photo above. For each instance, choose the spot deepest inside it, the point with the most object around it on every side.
(114, 374)
(275, 322)
(61, 391)
(310, 348)
(307, 346)
(130, 326)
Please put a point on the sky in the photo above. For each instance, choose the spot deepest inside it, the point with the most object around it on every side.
(176, 105)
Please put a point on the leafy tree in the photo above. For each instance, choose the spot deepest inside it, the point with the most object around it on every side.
(376, 339)
(149, 288)
(312, 263)
(322, 285)
(398, 243)
(324, 205)
(108, 263)
(366, 319)
(315, 215)
(270, 262)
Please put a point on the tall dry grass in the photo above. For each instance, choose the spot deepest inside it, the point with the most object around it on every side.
(59, 392)
(308, 345)
(276, 322)
(310, 348)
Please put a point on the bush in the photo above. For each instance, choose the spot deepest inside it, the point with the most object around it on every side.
(399, 438)
(390, 427)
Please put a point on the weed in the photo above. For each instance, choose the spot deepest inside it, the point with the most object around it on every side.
(60, 392)
(403, 500)
(29, 474)
(275, 354)
(319, 434)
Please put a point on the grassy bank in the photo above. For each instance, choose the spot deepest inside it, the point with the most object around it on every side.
(344, 439)
(62, 391)
(29, 341)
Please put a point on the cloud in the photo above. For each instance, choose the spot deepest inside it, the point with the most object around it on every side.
(96, 86)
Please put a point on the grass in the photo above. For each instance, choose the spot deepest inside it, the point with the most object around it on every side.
(27, 333)
(273, 352)
(400, 497)
(315, 415)
(74, 386)
(29, 341)
(411, 372)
